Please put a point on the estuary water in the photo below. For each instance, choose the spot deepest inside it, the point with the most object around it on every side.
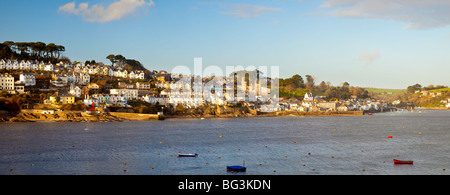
(350, 145)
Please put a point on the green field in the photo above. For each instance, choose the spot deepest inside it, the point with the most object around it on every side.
(393, 91)
(440, 90)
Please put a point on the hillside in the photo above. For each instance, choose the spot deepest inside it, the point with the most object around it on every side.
(385, 91)
(440, 90)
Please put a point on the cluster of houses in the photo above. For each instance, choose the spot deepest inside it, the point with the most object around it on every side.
(446, 103)
(73, 81)
(79, 68)
(428, 93)
(317, 103)
(8, 83)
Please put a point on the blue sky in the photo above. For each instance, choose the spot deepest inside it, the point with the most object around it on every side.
(369, 43)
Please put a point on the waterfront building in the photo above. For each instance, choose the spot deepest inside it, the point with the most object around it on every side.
(154, 99)
(6, 82)
(327, 106)
(129, 93)
(308, 97)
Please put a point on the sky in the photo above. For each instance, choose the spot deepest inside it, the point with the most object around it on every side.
(367, 43)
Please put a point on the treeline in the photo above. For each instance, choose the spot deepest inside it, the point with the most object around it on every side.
(127, 64)
(418, 87)
(346, 92)
(32, 51)
(297, 87)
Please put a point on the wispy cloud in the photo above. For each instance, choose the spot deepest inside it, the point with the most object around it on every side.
(418, 14)
(98, 13)
(248, 11)
(242, 10)
(368, 58)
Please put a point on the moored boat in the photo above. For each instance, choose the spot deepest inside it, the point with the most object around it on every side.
(236, 168)
(403, 161)
(187, 154)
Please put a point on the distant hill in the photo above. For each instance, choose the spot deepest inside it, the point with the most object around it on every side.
(385, 91)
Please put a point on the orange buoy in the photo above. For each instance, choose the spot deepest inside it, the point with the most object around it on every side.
(389, 136)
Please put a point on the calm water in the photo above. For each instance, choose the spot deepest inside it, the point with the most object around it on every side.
(337, 145)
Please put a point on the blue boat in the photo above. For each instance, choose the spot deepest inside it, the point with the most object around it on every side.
(236, 168)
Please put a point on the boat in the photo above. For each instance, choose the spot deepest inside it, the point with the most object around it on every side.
(236, 168)
(403, 161)
(187, 154)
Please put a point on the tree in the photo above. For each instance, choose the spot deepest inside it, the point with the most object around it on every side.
(120, 59)
(50, 49)
(59, 49)
(112, 58)
(298, 81)
(346, 84)
(5, 51)
(310, 83)
(414, 88)
(323, 86)
(39, 47)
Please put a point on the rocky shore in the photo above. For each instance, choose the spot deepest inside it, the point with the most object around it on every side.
(119, 117)
(62, 117)
(269, 114)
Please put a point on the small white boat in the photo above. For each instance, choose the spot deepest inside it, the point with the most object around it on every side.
(187, 154)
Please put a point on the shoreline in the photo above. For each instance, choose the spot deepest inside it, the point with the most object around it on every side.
(271, 114)
(120, 117)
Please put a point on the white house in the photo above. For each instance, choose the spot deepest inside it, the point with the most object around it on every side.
(9, 64)
(129, 93)
(308, 97)
(15, 65)
(160, 99)
(136, 74)
(28, 79)
(34, 66)
(88, 101)
(2, 64)
(49, 67)
(75, 91)
(85, 79)
(111, 72)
